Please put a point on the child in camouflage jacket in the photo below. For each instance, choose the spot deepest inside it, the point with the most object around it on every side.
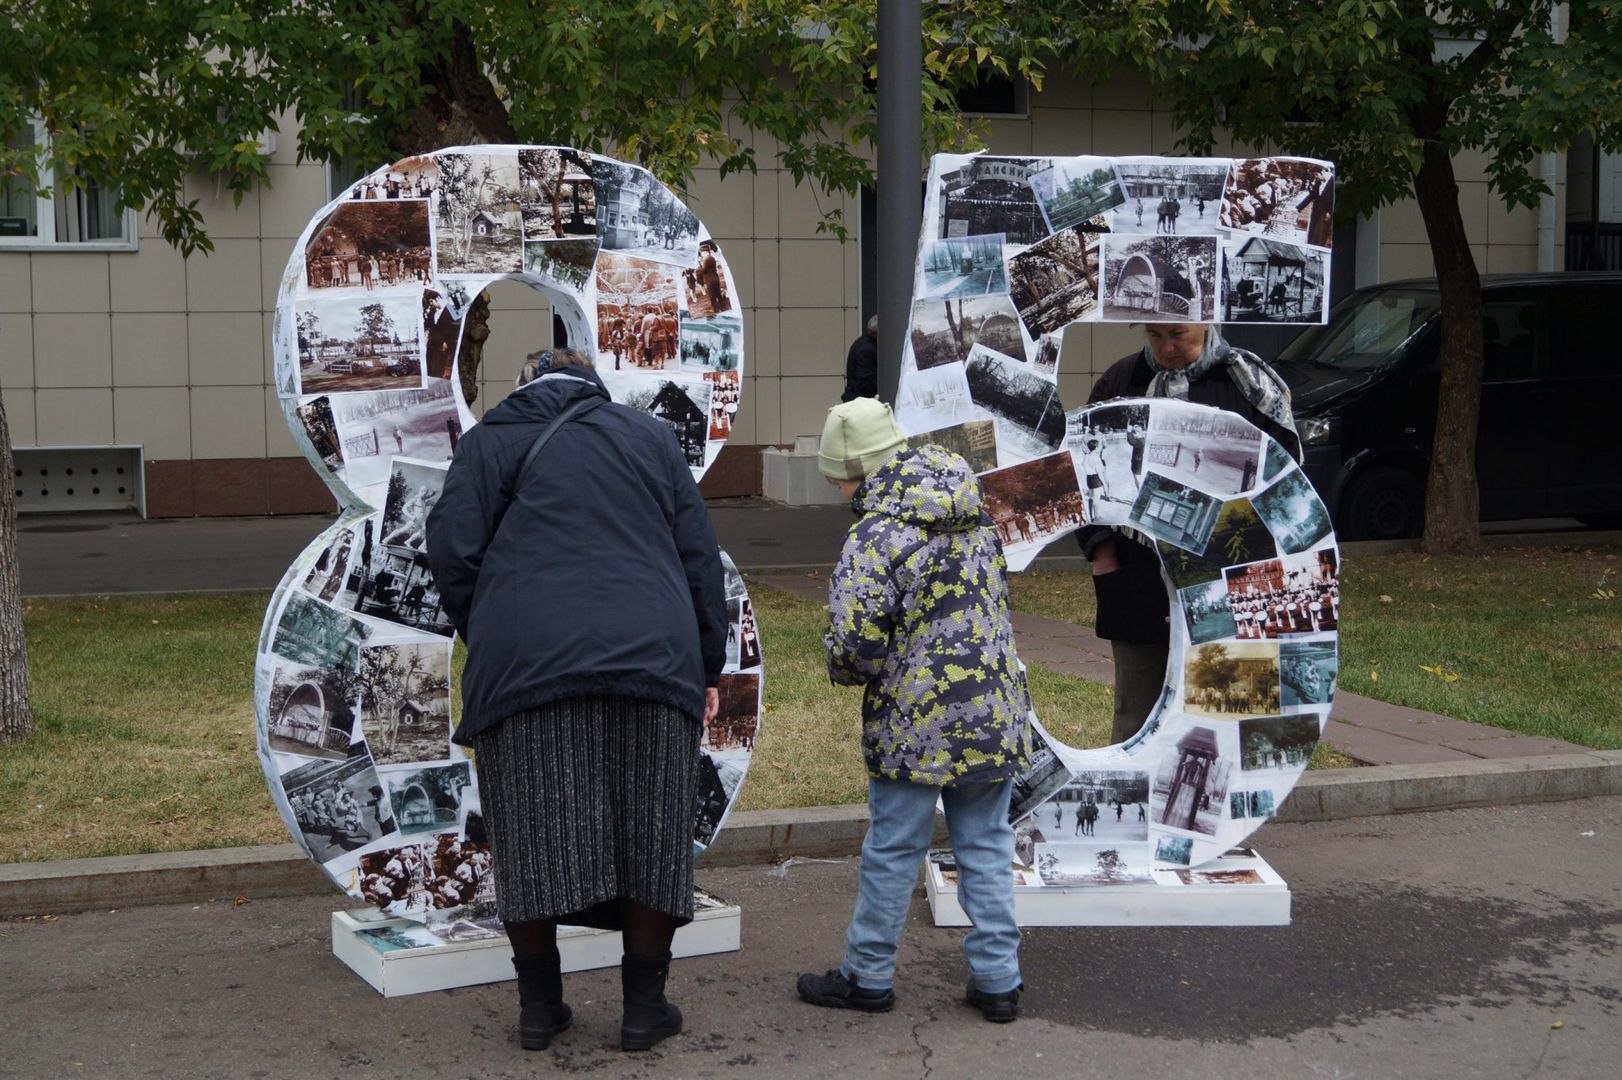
(918, 614)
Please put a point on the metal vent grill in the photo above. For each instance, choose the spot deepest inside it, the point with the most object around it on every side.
(59, 478)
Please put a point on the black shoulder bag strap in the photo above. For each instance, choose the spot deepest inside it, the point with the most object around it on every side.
(580, 407)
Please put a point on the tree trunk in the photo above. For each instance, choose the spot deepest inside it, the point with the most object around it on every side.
(1452, 499)
(16, 710)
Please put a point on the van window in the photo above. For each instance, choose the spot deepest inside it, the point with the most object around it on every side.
(1511, 339)
(1365, 331)
(1582, 332)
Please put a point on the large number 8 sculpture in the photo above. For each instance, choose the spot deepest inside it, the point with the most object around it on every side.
(353, 679)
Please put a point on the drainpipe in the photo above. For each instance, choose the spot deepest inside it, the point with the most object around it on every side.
(1549, 169)
(900, 196)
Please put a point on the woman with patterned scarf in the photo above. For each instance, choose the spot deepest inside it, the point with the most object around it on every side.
(1189, 362)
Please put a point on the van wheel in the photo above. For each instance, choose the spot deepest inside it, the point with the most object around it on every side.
(1383, 504)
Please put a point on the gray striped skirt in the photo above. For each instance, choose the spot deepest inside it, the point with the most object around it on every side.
(589, 801)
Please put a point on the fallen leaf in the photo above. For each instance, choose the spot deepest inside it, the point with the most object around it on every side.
(1374, 676)
(1558, 1024)
(241, 900)
(1384, 599)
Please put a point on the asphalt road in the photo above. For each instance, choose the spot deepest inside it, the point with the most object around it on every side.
(1470, 944)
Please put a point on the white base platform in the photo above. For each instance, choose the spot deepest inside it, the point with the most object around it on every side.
(399, 957)
(1237, 889)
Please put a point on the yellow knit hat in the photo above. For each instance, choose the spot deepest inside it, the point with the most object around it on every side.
(859, 435)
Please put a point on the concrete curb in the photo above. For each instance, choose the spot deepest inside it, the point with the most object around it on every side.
(765, 836)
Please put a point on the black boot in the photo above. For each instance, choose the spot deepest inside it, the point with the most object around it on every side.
(542, 1012)
(649, 1018)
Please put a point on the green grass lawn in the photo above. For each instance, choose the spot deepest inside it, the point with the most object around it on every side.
(145, 704)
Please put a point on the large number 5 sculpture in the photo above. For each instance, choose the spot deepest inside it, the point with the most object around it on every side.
(354, 672)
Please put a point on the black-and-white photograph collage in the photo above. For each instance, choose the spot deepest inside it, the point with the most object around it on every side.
(728, 741)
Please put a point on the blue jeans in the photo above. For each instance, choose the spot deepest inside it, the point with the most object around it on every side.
(902, 816)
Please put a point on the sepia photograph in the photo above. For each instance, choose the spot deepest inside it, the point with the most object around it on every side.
(732, 733)
(975, 441)
(414, 178)
(637, 215)
(712, 344)
(1169, 195)
(344, 348)
(557, 196)
(1289, 595)
(399, 586)
(326, 577)
(705, 293)
(1176, 513)
(944, 331)
(1160, 278)
(1232, 680)
(1206, 612)
(1033, 501)
(427, 800)
(1071, 863)
(1044, 775)
(1307, 671)
(962, 266)
(405, 701)
(1292, 511)
(637, 321)
(367, 247)
(726, 392)
(992, 195)
(683, 404)
(315, 417)
(479, 228)
(1107, 804)
(1239, 537)
(1216, 451)
(1289, 199)
(1269, 281)
(934, 398)
(339, 805)
(565, 263)
(1108, 444)
(1219, 877)
(1030, 415)
(1055, 282)
(376, 428)
(1190, 789)
(309, 714)
(1044, 360)
(1075, 189)
(1277, 744)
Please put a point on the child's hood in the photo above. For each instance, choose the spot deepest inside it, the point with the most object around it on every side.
(930, 487)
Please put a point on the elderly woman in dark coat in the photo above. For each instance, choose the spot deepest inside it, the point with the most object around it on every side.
(1189, 362)
(588, 590)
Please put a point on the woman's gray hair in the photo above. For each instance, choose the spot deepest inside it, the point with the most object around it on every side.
(539, 363)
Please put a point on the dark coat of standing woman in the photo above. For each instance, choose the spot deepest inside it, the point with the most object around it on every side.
(862, 364)
(589, 593)
(1189, 362)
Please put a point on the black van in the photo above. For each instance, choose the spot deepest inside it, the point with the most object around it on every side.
(1550, 441)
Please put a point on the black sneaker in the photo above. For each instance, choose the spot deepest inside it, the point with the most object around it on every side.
(832, 990)
(998, 1008)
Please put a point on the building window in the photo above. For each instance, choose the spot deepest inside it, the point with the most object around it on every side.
(86, 214)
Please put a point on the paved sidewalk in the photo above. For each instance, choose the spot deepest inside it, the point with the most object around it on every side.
(1373, 732)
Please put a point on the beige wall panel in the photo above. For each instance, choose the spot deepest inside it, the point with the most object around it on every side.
(19, 414)
(1471, 166)
(149, 349)
(16, 351)
(1398, 261)
(739, 256)
(278, 436)
(228, 421)
(1473, 201)
(814, 342)
(813, 273)
(1061, 132)
(78, 417)
(1403, 219)
(1513, 259)
(1066, 87)
(227, 280)
(762, 329)
(802, 207)
(16, 281)
(152, 279)
(743, 421)
(1074, 388)
(1117, 132)
(295, 194)
(1164, 133)
(148, 227)
(768, 292)
(726, 207)
(71, 281)
(273, 258)
(1076, 350)
(217, 203)
(1123, 89)
(1009, 136)
(157, 418)
(806, 402)
(226, 349)
(1506, 226)
(766, 399)
(73, 350)
(1111, 341)
(766, 200)
(287, 128)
